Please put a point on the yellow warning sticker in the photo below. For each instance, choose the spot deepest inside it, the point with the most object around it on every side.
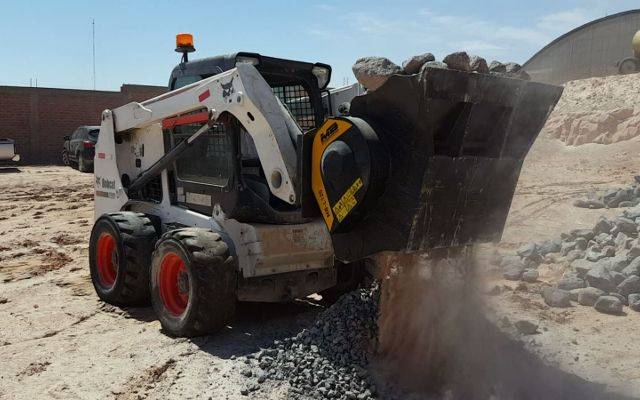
(348, 201)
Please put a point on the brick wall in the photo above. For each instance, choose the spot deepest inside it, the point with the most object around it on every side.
(38, 118)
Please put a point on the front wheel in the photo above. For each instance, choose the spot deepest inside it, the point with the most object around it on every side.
(193, 282)
(119, 256)
(65, 158)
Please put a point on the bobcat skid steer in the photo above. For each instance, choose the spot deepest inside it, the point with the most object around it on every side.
(236, 186)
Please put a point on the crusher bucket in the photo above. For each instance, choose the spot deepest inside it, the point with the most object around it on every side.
(426, 161)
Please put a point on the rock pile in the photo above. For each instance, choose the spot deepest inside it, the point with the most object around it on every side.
(604, 265)
(613, 198)
(373, 72)
(597, 110)
(328, 360)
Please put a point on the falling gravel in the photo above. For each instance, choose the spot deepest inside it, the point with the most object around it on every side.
(329, 360)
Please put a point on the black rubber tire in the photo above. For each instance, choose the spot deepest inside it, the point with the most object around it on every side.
(65, 158)
(628, 66)
(212, 277)
(82, 163)
(350, 277)
(135, 238)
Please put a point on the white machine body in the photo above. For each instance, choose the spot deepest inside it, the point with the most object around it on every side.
(134, 129)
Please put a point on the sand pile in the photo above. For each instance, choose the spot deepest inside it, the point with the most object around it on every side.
(597, 110)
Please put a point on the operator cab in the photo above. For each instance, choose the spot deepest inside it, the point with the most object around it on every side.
(222, 167)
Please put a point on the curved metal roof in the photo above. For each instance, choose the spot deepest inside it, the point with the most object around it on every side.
(588, 24)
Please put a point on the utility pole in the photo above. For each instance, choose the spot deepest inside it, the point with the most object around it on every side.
(93, 44)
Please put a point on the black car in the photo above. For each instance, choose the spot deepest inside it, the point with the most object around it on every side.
(79, 148)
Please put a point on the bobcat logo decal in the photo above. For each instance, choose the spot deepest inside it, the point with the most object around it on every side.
(227, 88)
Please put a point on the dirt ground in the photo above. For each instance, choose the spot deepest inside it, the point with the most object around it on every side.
(58, 341)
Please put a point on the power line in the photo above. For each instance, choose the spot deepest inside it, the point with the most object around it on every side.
(93, 44)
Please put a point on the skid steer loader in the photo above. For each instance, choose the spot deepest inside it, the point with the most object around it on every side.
(237, 185)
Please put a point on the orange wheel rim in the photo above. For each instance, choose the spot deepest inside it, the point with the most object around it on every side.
(173, 282)
(107, 260)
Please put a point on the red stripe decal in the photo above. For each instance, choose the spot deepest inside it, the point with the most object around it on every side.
(187, 119)
(101, 155)
(204, 95)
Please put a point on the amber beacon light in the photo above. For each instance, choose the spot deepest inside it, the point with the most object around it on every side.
(184, 45)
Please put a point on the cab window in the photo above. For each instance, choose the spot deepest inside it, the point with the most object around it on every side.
(185, 80)
(209, 160)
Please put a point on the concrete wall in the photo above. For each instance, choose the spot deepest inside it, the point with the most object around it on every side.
(38, 118)
(590, 50)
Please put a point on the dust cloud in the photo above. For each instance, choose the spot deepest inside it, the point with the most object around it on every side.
(435, 340)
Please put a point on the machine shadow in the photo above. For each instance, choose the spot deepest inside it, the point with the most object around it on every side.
(9, 170)
(257, 325)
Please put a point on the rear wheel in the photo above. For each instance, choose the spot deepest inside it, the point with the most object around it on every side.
(628, 66)
(193, 282)
(119, 257)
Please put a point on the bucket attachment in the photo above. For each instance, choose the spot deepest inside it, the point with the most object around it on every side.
(455, 143)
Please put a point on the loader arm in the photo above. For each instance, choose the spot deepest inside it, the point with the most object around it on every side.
(244, 93)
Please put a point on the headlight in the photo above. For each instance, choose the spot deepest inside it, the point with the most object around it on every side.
(322, 74)
(247, 60)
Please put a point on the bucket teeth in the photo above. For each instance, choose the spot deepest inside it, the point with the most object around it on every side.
(456, 142)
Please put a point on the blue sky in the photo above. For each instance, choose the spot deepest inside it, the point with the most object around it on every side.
(51, 40)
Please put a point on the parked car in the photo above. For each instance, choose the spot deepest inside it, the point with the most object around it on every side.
(8, 150)
(79, 148)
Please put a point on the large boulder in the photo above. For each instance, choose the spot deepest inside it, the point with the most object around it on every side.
(582, 233)
(634, 301)
(617, 263)
(581, 243)
(550, 246)
(515, 70)
(620, 196)
(629, 285)
(497, 67)
(609, 305)
(530, 275)
(566, 247)
(570, 282)
(603, 226)
(628, 226)
(513, 272)
(582, 267)
(601, 278)
(588, 296)
(478, 64)
(633, 268)
(526, 327)
(593, 204)
(604, 239)
(528, 250)
(555, 297)
(622, 241)
(433, 65)
(459, 60)
(373, 72)
(595, 254)
(574, 255)
(412, 65)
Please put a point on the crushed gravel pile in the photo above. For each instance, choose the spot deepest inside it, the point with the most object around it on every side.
(597, 110)
(328, 360)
